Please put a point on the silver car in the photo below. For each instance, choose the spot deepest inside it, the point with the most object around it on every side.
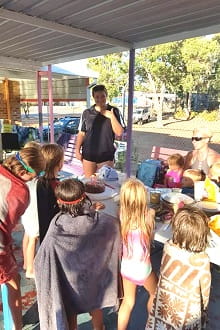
(141, 115)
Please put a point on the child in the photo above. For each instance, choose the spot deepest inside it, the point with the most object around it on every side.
(46, 200)
(30, 222)
(137, 223)
(214, 173)
(174, 174)
(79, 256)
(15, 171)
(190, 176)
(184, 284)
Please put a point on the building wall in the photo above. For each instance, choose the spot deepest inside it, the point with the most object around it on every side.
(12, 93)
(10, 101)
(63, 89)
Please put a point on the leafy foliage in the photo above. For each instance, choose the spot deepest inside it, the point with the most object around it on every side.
(113, 71)
(186, 66)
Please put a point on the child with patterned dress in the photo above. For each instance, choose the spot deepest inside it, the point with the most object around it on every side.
(175, 172)
(137, 223)
(15, 171)
(183, 289)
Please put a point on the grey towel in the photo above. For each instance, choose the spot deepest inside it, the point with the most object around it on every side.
(76, 268)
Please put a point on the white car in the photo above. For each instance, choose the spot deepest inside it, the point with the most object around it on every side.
(141, 115)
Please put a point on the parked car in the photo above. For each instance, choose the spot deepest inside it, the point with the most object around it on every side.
(141, 115)
(60, 126)
(72, 126)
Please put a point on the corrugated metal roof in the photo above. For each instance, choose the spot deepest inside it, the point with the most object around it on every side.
(40, 32)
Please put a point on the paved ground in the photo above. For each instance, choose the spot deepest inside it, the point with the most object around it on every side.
(30, 314)
(173, 134)
(139, 314)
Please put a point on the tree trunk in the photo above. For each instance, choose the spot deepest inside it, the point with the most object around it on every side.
(158, 104)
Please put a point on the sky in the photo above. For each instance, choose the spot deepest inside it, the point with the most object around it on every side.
(78, 67)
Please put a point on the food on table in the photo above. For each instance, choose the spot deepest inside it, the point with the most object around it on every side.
(94, 185)
(214, 224)
(212, 191)
(176, 198)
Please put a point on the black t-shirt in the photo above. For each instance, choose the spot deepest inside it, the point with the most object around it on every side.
(98, 144)
(46, 204)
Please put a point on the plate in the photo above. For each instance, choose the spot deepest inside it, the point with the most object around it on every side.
(161, 190)
(211, 207)
(175, 197)
(108, 193)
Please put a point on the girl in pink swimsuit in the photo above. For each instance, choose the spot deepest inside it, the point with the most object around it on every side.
(174, 174)
(137, 223)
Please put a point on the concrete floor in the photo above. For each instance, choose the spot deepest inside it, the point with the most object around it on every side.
(139, 314)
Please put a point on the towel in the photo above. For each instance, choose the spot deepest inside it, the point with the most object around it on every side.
(76, 268)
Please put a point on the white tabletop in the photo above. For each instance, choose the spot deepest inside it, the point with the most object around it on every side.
(163, 232)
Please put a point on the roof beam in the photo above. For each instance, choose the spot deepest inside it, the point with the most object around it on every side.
(80, 56)
(178, 36)
(42, 23)
(19, 64)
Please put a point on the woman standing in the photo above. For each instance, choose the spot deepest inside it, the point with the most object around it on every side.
(99, 125)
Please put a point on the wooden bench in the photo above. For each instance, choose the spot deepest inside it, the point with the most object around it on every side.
(71, 163)
(162, 153)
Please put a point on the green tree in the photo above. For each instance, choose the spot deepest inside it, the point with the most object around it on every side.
(200, 56)
(163, 63)
(113, 71)
(181, 67)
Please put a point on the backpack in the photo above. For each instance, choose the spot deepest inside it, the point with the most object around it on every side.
(149, 172)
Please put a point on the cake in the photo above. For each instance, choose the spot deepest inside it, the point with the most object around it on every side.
(94, 187)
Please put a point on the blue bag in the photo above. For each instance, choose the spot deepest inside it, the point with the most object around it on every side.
(149, 172)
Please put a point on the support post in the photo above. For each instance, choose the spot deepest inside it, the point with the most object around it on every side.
(39, 101)
(7, 99)
(130, 111)
(50, 94)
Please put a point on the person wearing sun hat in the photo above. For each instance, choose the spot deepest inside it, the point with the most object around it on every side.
(202, 157)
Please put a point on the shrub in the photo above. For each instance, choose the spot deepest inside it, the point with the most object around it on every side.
(209, 115)
(179, 114)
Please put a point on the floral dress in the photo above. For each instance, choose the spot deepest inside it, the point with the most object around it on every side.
(182, 294)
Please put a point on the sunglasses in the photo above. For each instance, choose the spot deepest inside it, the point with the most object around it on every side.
(196, 138)
(26, 167)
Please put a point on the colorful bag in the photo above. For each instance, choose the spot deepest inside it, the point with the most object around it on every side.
(149, 172)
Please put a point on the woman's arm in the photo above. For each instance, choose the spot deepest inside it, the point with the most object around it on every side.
(79, 142)
(188, 160)
(116, 126)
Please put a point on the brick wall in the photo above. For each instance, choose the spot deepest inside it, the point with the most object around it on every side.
(14, 101)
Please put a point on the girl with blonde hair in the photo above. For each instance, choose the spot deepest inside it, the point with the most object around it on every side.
(14, 173)
(30, 222)
(137, 223)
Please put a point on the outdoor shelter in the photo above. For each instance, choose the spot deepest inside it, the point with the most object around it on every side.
(35, 33)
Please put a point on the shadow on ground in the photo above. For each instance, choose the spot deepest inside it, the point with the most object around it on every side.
(143, 142)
